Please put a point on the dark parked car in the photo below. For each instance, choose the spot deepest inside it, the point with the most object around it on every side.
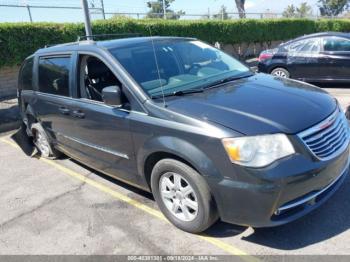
(322, 57)
(176, 117)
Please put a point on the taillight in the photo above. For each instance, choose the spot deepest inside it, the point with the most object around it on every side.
(264, 56)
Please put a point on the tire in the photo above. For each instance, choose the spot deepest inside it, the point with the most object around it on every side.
(280, 72)
(347, 113)
(193, 221)
(42, 142)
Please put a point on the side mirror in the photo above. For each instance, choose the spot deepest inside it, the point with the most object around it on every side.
(112, 95)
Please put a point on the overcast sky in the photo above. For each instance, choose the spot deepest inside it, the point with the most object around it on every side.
(8, 14)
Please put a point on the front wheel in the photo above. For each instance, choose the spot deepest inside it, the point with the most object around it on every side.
(280, 72)
(183, 196)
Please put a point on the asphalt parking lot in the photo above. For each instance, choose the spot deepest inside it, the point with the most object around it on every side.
(342, 95)
(62, 207)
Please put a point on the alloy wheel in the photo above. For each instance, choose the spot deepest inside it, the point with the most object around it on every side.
(280, 73)
(178, 196)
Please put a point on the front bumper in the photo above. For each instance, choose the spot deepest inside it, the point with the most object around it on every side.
(281, 193)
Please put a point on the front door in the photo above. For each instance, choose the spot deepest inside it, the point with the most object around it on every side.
(335, 59)
(102, 135)
(103, 139)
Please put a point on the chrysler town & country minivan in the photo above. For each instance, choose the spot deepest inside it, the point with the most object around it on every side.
(181, 119)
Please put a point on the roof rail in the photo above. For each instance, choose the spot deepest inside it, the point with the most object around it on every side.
(61, 44)
(85, 37)
(50, 45)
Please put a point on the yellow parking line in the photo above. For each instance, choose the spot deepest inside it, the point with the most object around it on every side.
(214, 241)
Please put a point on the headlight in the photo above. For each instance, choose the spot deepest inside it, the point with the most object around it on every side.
(258, 151)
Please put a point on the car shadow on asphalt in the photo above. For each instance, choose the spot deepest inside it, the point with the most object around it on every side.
(328, 221)
(25, 143)
(332, 85)
(115, 181)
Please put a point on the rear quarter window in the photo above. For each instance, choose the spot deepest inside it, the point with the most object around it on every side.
(26, 75)
(54, 75)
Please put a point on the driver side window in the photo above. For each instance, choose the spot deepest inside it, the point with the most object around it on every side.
(336, 44)
(94, 76)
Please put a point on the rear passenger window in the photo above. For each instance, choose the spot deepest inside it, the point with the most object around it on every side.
(26, 75)
(311, 46)
(293, 47)
(54, 75)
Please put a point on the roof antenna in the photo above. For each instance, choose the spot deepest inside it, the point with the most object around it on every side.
(156, 60)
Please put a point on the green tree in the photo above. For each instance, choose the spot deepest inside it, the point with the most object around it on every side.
(289, 12)
(304, 10)
(157, 11)
(223, 15)
(333, 7)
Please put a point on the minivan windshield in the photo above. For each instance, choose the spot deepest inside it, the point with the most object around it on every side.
(170, 66)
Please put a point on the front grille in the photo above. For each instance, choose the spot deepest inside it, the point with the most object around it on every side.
(328, 138)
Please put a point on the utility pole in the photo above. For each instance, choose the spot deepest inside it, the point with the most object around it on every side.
(30, 14)
(103, 10)
(164, 10)
(87, 19)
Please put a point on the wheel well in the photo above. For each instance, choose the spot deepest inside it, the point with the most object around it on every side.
(29, 119)
(154, 158)
(273, 68)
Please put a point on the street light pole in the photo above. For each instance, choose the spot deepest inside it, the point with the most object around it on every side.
(87, 20)
(30, 14)
(164, 10)
(103, 10)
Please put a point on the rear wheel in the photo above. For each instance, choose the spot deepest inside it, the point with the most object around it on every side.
(183, 196)
(280, 72)
(42, 142)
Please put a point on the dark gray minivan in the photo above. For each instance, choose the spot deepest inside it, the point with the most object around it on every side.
(189, 123)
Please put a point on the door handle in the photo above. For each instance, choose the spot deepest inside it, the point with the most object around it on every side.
(64, 110)
(78, 114)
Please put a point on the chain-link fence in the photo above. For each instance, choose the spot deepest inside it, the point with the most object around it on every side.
(69, 13)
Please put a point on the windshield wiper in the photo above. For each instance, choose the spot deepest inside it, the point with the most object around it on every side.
(178, 93)
(225, 80)
(201, 88)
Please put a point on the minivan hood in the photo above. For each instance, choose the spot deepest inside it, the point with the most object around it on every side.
(260, 104)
